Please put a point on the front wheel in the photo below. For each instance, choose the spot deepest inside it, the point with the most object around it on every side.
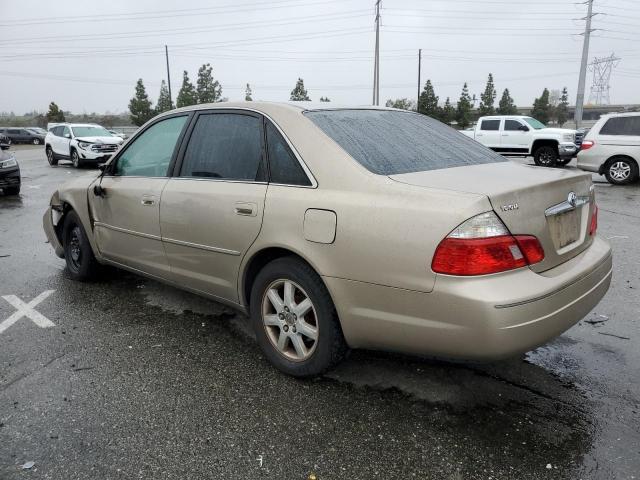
(621, 171)
(294, 319)
(75, 159)
(546, 156)
(81, 262)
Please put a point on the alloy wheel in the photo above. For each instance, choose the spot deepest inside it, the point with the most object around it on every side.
(620, 171)
(290, 320)
(75, 159)
(50, 156)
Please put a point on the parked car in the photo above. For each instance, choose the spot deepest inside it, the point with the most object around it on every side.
(518, 135)
(342, 228)
(612, 148)
(9, 169)
(23, 135)
(37, 130)
(82, 143)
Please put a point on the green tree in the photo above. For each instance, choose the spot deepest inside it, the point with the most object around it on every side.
(164, 100)
(55, 114)
(247, 94)
(208, 89)
(448, 112)
(401, 103)
(140, 106)
(299, 93)
(325, 99)
(487, 99)
(428, 101)
(542, 108)
(463, 112)
(562, 110)
(187, 94)
(506, 105)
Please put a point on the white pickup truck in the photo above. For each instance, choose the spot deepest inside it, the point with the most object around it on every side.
(525, 136)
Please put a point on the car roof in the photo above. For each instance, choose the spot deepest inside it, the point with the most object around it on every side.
(620, 114)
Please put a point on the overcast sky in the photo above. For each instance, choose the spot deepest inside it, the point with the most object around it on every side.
(87, 55)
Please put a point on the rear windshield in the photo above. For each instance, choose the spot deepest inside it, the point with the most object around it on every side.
(387, 142)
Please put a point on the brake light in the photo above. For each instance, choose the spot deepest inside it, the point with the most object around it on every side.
(587, 144)
(483, 245)
(593, 226)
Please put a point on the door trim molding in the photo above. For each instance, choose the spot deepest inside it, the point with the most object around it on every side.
(125, 230)
(201, 247)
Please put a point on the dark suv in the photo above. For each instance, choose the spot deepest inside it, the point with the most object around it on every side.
(22, 135)
(9, 169)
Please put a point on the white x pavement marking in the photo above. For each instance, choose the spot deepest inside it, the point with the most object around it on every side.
(27, 310)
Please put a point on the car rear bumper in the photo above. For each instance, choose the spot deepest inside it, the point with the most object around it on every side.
(49, 230)
(590, 161)
(475, 318)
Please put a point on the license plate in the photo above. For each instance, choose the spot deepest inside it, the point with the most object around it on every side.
(565, 228)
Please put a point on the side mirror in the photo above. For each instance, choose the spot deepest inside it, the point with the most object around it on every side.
(524, 128)
(67, 135)
(98, 191)
(102, 167)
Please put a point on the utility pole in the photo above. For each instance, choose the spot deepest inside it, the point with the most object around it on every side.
(166, 54)
(376, 66)
(583, 65)
(419, 68)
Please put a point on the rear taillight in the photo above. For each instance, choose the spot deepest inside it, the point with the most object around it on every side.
(593, 225)
(587, 144)
(483, 245)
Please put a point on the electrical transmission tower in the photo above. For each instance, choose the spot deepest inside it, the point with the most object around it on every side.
(601, 68)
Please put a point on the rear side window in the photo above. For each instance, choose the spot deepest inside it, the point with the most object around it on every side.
(622, 126)
(490, 125)
(388, 142)
(225, 146)
(283, 165)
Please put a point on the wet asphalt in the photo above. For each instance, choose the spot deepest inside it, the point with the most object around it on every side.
(140, 380)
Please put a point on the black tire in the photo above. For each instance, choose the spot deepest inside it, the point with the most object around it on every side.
(12, 190)
(75, 158)
(81, 262)
(563, 162)
(621, 171)
(51, 157)
(546, 156)
(330, 347)
(36, 141)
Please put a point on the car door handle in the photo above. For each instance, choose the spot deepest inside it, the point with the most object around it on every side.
(148, 200)
(247, 209)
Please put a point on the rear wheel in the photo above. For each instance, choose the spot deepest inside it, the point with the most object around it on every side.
(51, 157)
(36, 141)
(621, 171)
(294, 319)
(81, 263)
(75, 159)
(546, 156)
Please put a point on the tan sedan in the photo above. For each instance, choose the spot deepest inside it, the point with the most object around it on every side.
(337, 228)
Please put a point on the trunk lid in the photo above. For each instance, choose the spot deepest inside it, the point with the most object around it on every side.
(555, 205)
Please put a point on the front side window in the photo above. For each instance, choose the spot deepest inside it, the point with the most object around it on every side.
(389, 142)
(225, 146)
(490, 125)
(622, 126)
(150, 153)
(283, 165)
(512, 125)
